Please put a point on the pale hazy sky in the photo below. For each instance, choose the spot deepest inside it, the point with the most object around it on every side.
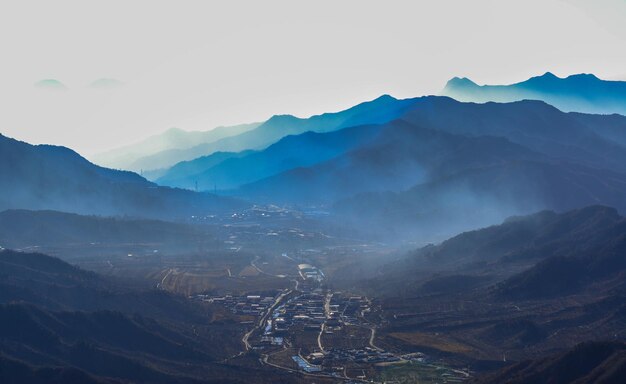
(198, 64)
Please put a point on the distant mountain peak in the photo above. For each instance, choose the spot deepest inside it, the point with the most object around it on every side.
(582, 92)
(587, 75)
(584, 77)
(546, 78)
(460, 82)
(385, 97)
(51, 84)
(281, 118)
(549, 75)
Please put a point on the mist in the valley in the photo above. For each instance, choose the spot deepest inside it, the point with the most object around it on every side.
(313, 192)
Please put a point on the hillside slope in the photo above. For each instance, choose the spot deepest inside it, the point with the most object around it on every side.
(63, 324)
(57, 178)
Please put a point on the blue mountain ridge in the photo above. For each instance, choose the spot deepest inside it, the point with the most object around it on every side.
(575, 93)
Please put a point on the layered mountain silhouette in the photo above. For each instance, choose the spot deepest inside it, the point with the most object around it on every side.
(536, 126)
(57, 178)
(232, 170)
(575, 137)
(130, 157)
(415, 161)
(401, 156)
(442, 160)
(582, 92)
(380, 110)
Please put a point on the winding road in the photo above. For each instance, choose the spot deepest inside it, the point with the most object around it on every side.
(269, 311)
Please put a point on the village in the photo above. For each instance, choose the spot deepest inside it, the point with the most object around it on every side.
(312, 329)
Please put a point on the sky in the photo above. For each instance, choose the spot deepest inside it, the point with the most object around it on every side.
(196, 65)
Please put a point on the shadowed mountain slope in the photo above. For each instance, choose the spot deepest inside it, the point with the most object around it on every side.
(401, 156)
(527, 288)
(575, 161)
(595, 141)
(538, 256)
(592, 362)
(57, 178)
(16, 372)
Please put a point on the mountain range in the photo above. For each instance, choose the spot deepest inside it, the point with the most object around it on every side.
(386, 165)
(580, 93)
(436, 164)
(382, 109)
(232, 170)
(596, 140)
(130, 157)
(571, 153)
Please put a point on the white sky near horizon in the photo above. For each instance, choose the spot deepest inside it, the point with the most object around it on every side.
(199, 64)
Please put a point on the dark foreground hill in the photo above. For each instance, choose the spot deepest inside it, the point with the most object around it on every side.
(526, 288)
(16, 372)
(537, 256)
(592, 362)
(62, 324)
(56, 178)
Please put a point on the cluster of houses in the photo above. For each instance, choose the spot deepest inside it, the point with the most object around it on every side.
(253, 305)
(347, 309)
(355, 355)
(306, 310)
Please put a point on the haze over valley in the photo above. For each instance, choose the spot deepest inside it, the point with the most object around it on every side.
(314, 195)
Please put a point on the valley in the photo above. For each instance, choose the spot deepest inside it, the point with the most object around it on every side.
(417, 240)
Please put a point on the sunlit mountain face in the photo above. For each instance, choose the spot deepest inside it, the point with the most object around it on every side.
(257, 193)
